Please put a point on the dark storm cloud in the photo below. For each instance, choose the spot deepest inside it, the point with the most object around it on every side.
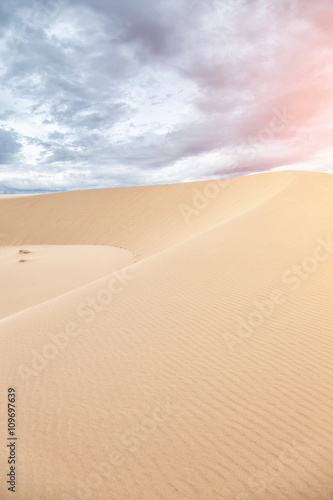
(153, 28)
(7, 13)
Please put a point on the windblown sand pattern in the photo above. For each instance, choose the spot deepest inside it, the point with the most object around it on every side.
(171, 342)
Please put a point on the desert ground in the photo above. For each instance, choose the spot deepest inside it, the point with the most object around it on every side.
(170, 342)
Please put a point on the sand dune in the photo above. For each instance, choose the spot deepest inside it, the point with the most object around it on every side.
(36, 273)
(193, 361)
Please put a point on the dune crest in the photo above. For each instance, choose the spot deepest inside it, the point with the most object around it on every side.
(199, 367)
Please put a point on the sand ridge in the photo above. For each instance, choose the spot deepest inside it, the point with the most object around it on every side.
(30, 273)
(203, 369)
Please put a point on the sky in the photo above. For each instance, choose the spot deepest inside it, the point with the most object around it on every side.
(109, 93)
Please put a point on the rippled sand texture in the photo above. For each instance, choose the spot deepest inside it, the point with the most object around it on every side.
(170, 342)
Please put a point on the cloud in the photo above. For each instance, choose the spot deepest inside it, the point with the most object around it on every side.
(9, 146)
(107, 93)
